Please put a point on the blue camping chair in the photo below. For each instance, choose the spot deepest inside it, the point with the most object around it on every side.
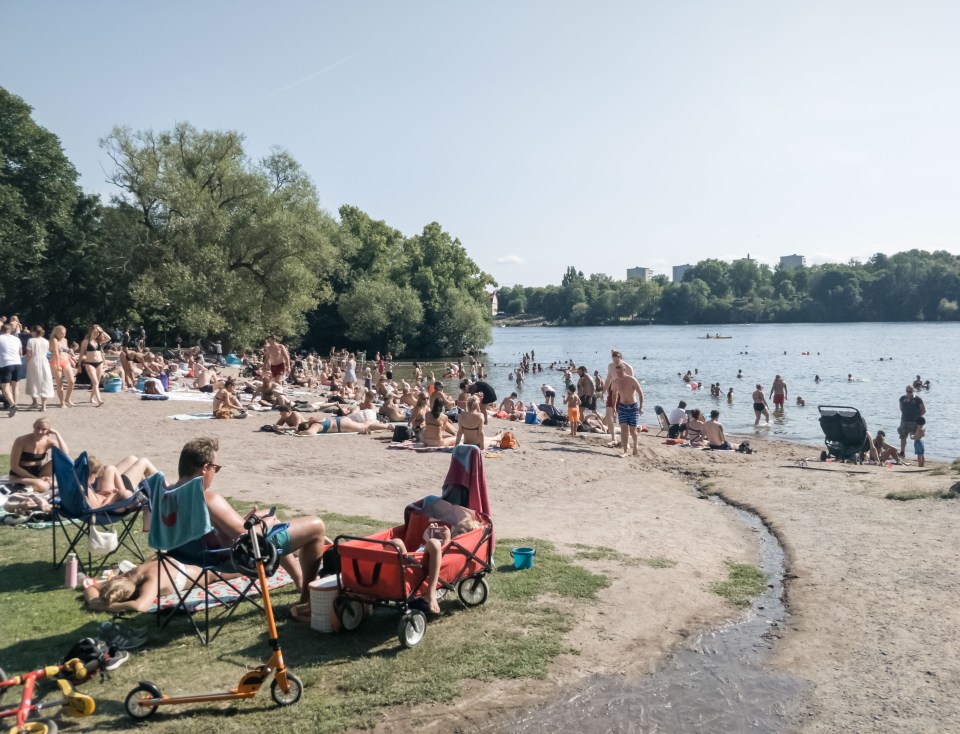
(179, 524)
(73, 517)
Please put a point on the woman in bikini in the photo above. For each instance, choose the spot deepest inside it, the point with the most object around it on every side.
(62, 365)
(695, 427)
(437, 430)
(106, 483)
(136, 590)
(30, 463)
(92, 359)
(226, 404)
(470, 425)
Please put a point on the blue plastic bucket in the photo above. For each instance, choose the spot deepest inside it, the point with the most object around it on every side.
(523, 557)
(114, 384)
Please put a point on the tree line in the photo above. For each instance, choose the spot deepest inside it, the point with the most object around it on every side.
(202, 241)
(909, 286)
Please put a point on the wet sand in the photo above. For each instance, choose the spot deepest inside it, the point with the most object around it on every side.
(872, 589)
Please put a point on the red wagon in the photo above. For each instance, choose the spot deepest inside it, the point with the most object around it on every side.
(375, 571)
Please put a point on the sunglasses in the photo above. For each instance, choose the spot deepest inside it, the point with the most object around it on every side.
(216, 468)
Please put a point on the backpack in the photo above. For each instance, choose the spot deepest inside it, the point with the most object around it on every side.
(402, 433)
(744, 448)
(508, 440)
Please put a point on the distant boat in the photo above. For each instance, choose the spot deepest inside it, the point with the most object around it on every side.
(717, 336)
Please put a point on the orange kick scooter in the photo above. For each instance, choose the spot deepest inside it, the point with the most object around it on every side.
(142, 702)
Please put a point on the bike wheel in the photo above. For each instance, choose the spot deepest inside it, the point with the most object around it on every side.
(473, 592)
(132, 703)
(40, 726)
(290, 697)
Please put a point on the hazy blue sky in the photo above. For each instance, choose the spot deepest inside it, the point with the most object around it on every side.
(602, 135)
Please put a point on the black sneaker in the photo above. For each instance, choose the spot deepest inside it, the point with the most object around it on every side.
(117, 659)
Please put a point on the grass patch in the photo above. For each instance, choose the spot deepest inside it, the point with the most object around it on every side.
(602, 553)
(4, 464)
(955, 466)
(707, 489)
(744, 582)
(905, 495)
(350, 678)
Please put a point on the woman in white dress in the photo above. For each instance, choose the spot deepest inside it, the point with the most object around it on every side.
(39, 377)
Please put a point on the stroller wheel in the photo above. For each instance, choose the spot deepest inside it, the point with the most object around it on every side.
(473, 592)
(349, 612)
(823, 456)
(412, 628)
(290, 697)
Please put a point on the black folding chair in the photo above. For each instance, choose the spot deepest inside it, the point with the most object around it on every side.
(172, 521)
(73, 518)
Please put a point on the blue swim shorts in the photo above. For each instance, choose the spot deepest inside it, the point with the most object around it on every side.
(628, 414)
(279, 535)
(918, 448)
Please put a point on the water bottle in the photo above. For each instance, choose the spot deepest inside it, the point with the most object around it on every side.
(70, 571)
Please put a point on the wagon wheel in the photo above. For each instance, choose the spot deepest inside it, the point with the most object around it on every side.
(412, 628)
(473, 592)
(349, 612)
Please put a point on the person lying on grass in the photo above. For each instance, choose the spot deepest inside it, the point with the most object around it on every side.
(136, 590)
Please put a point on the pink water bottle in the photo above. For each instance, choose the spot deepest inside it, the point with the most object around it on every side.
(70, 572)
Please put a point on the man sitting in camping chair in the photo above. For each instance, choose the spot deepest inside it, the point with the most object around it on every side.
(303, 536)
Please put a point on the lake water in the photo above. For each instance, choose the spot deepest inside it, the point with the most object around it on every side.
(761, 351)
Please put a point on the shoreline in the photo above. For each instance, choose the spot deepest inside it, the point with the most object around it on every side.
(865, 574)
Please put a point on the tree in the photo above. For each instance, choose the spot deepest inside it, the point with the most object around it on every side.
(234, 248)
(715, 273)
(381, 312)
(44, 218)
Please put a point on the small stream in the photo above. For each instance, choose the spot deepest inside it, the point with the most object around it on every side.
(718, 683)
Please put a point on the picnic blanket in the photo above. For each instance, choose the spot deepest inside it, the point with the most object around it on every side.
(192, 416)
(219, 592)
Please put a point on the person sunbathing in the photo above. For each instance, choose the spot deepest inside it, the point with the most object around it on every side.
(436, 538)
(885, 452)
(136, 590)
(390, 411)
(339, 424)
(470, 425)
(30, 463)
(437, 430)
(105, 484)
(226, 404)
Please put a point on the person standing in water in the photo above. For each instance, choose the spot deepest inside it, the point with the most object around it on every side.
(778, 392)
(760, 406)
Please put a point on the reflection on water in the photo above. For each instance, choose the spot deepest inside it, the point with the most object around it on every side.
(721, 683)
(835, 350)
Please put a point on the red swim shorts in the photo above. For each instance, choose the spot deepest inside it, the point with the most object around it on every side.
(277, 369)
(778, 399)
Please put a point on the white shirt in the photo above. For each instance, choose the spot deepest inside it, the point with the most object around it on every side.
(677, 417)
(10, 347)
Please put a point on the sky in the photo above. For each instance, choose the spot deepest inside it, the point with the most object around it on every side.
(543, 134)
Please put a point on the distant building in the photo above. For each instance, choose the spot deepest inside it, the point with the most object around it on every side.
(639, 273)
(678, 271)
(793, 261)
(494, 302)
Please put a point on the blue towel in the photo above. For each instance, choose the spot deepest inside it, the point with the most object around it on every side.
(177, 516)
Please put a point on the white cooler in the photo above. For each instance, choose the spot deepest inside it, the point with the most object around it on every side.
(323, 592)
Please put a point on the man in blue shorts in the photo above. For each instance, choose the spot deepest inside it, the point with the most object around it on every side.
(627, 395)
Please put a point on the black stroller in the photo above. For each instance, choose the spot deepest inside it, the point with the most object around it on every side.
(845, 433)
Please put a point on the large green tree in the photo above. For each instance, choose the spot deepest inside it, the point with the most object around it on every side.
(227, 245)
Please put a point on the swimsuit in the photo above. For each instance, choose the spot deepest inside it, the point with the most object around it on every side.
(325, 425)
(628, 414)
(36, 464)
(758, 407)
(778, 399)
(277, 369)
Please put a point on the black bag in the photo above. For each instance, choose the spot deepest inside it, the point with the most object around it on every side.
(402, 433)
(744, 448)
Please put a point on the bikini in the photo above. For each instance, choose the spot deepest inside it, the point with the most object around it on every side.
(34, 468)
(92, 348)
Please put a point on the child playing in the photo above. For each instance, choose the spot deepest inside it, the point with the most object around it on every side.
(918, 439)
(572, 401)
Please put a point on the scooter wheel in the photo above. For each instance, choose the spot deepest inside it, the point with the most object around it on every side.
(412, 628)
(290, 697)
(132, 703)
(473, 592)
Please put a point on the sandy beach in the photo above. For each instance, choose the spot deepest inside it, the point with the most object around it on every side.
(872, 582)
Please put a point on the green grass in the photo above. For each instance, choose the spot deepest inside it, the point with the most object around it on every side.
(744, 582)
(602, 553)
(350, 678)
(955, 466)
(905, 495)
(4, 464)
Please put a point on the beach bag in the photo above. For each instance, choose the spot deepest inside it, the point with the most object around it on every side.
(508, 440)
(402, 433)
(531, 418)
(102, 542)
